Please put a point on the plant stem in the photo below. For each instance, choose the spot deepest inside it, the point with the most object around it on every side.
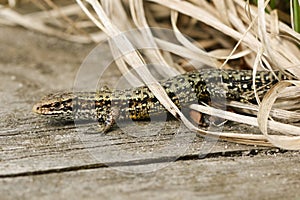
(296, 13)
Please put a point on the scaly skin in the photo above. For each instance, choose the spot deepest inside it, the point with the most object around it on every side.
(139, 103)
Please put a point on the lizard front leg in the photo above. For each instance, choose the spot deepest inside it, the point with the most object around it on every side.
(108, 119)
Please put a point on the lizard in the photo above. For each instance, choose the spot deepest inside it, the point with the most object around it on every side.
(106, 106)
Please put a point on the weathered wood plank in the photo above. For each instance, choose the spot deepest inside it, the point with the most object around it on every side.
(258, 177)
(41, 158)
(30, 143)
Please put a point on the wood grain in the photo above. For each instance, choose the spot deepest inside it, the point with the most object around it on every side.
(45, 159)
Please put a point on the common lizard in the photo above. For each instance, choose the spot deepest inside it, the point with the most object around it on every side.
(106, 106)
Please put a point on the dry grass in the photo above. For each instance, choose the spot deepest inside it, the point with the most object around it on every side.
(226, 33)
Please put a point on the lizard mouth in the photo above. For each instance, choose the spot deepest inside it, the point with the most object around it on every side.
(37, 108)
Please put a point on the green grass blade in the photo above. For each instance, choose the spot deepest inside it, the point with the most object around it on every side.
(296, 13)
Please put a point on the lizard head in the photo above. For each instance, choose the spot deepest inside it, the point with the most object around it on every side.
(69, 105)
(55, 105)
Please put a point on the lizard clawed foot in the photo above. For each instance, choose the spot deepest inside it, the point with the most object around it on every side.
(110, 121)
(204, 120)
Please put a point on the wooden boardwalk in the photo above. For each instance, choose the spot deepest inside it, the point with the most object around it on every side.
(42, 159)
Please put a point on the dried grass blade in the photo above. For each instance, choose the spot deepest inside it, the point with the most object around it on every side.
(285, 142)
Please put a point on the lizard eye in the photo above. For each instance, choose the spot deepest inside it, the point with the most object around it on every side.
(56, 104)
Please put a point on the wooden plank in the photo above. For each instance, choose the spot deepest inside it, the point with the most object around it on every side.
(257, 177)
(48, 159)
(30, 143)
